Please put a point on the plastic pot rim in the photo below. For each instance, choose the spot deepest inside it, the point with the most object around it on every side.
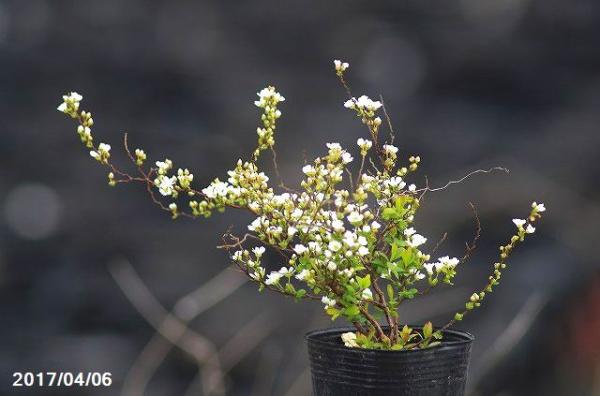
(314, 338)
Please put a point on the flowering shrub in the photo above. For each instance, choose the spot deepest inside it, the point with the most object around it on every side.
(346, 238)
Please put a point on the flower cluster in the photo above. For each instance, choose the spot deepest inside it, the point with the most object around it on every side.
(346, 238)
(268, 101)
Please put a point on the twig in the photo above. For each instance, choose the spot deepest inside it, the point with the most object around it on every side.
(471, 247)
(495, 168)
(388, 120)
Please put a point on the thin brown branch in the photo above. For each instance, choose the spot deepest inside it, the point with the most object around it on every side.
(495, 168)
(470, 247)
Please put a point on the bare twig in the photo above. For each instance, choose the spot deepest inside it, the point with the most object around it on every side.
(495, 168)
(388, 120)
(471, 247)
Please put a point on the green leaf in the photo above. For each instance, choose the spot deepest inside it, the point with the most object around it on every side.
(428, 330)
(364, 282)
(410, 293)
(351, 311)
(395, 253)
(333, 312)
(390, 292)
(389, 214)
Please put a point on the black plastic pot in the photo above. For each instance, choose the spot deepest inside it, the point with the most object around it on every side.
(339, 370)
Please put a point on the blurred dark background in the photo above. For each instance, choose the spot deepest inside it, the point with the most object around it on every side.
(86, 271)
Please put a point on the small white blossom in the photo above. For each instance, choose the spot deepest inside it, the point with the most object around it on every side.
(363, 251)
(539, 207)
(416, 240)
(258, 251)
(266, 95)
(355, 217)
(349, 340)
(164, 166)
(238, 255)
(303, 275)
(447, 262)
(530, 229)
(364, 144)
(519, 222)
(429, 267)
(340, 66)
(165, 184)
(273, 278)
(329, 302)
(334, 246)
(331, 266)
(346, 158)
(390, 149)
(367, 294)
(300, 249)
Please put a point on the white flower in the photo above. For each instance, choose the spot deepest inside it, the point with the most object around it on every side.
(267, 95)
(164, 166)
(349, 340)
(303, 275)
(334, 246)
(331, 266)
(412, 188)
(102, 154)
(539, 207)
(297, 213)
(165, 184)
(417, 274)
(363, 251)
(350, 104)
(185, 178)
(355, 217)
(70, 103)
(375, 225)
(329, 302)
(346, 157)
(285, 271)
(337, 225)
(292, 231)
(530, 229)
(390, 149)
(238, 255)
(367, 294)
(258, 251)
(409, 231)
(366, 103)
(273, 278)
(334, 146)
(350, 239)
(429, 267)
(300, 249)
(255, 224)
(340, 66)
(364, 144)
(362, 241)
(416, 240)
(519, 222)
(447, 262)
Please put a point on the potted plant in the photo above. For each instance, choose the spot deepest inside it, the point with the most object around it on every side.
(346, 238)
